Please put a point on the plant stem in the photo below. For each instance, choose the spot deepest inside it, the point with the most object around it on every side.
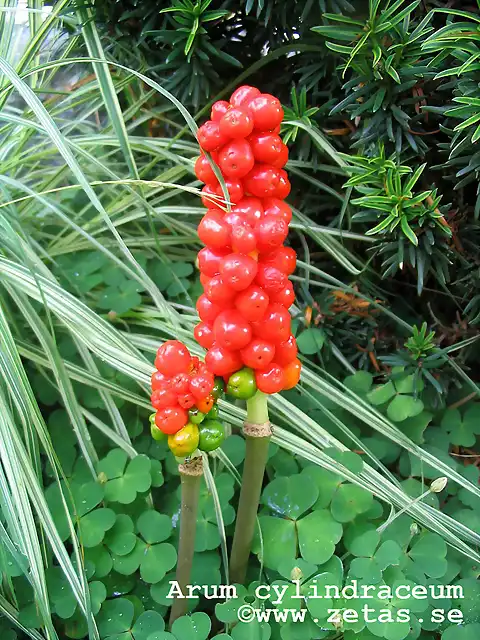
(257, 434)
(191, 478)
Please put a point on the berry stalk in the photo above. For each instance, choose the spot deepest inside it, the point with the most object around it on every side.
(257, 436)
(191, 477)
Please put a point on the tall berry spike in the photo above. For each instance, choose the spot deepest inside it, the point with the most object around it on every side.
(245, 266)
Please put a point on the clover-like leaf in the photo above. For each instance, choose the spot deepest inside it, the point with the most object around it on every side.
(382, 394)
(349, 501)
(325, 481)
(124, 479)
(318, 533)
(403, 407)
(98, 593)
(121, 539)
(361, 538)
(147, 623)
(193, 627)
(115, 617)
(279, 541)
(462, 429)
(154, 527)
(462, 632)
(94, 525)
(429, 554)
(290, 497)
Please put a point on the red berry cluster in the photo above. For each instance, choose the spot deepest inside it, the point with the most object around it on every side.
(245, 266)
(181, 382)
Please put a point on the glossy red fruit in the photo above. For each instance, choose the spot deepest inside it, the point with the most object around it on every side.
(285, 297)
(204, 280)
(236, 123)
(275, 324)
(267, 112)
(278, 208)
(186, 400)
(262, 181)
(270, 380)
(283, 187)
(204, 171)
(180, 383)
(203, 335)
(258, 354)
(221, 361)
(282, 258)
(291, 374)
(231, 330)
(209, 260)
(266, 147)
(243, 239)
(286, 352)
(171, 419)
(252, 303)
(213, 231)
(282, 159)
(236, 159)
(234, 189)
(210, 198)
(162, 398)
(219, 109)
(210, 136)
(238, 270)
(201, 385)
(219, 292)
(250, 208)
(159, 381)
(172, 357)
(207, 310)
(271, 233)
(270, 279)
(243, 95)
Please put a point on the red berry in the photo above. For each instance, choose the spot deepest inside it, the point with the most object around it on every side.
(282, 159)
(204, 171)
(283, 187)
(219, 109)
(219, 292)
(204, 280)
(180, 383)
(266, 147)
(162, 398)
(234, 189)
(207, 310)
(213, 231)
(172, 357)
(238, 270)
(231, 330)
(236, 159)
(243, 239)
(271, 233)
(270, 279)
(236, 123)
(221, 361)
(283, 258)
(203, 335)
(286, 352)
(285, 297)
(275, 324)
(262, 181)
(278, 208)
(159, 381)
(257, 354)
(252, 303)
(201, 385)
(210, 136)
(266, 111)
(186, 400)
(210, 198)
(251, 209)
(291, 374)
(271, 380)
(171, 419)
(243, 95)
(209, 261)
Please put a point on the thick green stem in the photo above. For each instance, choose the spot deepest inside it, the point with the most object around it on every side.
(257, 434)
(191, 478)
